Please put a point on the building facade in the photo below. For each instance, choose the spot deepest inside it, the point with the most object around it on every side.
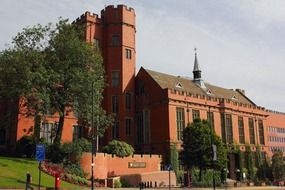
(114, 34)
(276, 132)
(151, 109)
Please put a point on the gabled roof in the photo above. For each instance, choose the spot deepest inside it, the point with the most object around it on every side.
(166, 81)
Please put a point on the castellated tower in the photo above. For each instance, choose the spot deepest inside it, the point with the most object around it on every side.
(114, 35)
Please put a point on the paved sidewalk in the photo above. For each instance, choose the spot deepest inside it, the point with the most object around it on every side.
(175, 188)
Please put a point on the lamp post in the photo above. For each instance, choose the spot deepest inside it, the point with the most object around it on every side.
(214, 148)
(92, 126)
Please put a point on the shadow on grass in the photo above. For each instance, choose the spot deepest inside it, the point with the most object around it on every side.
(33, 184)
(3, 165)
(21, 160)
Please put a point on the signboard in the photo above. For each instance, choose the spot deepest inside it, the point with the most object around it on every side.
(169, 167)
(137, 165)
(40, 152)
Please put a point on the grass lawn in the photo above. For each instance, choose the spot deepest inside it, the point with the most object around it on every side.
(13, 174)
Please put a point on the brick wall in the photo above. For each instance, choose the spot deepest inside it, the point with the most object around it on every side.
(109, 166)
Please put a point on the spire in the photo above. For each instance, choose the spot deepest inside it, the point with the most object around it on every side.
(196, 70)
(197, 73)
(196, 64)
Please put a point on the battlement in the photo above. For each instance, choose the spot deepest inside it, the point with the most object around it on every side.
(121, 6)
(223, 102)
(275, 112)
(87, 16)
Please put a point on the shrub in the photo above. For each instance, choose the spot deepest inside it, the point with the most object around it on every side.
(119, 148)
(54, 153)
(124, 183)
(85, 145)
(26, 146)
(74, 169)
(207, 178)
(117, 184)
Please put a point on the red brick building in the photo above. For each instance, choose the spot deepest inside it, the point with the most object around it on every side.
(152, 108)
(276, 132)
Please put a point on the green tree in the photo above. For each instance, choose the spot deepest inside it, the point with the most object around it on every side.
(197, 147)
(249, 162)
(74, 65)
(174, 161)
(23, 77)
(277, 165)
(119, 148)
(53, 70)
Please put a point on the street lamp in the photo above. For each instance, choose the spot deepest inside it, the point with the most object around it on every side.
(214, 147)
(92, 136)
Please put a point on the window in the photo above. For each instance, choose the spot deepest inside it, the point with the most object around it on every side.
(115, 104)
(241, 130)
(229, 128)
(195, 114)
(223, 128)
(48, 131)
(115, 79)
(210, 118)
(128, 101)
(77, 132)
(180, 123)
(261, 132)
(2, 136)
(140, 134)
(115, 130)
(128, 126)
(115, 40)
(143, 126)
(251, 131)
(128, 53)
(178, 85)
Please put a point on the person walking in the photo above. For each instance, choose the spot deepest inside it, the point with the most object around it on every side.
(28, 181)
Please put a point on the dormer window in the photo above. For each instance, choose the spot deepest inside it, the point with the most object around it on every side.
(179, 85)
(234, 97)
(209, 92)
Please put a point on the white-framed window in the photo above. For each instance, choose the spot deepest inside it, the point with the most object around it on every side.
(48, 131)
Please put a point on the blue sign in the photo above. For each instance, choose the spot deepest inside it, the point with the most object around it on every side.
(169, 167)
(40, 152)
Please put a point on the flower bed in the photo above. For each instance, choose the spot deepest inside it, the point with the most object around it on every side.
(56, 169)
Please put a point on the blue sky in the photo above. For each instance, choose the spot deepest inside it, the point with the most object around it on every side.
(240, 43)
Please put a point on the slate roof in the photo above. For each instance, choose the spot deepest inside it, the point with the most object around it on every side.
(166, 81)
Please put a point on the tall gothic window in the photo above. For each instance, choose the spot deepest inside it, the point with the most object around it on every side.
(115, 104)
(261, 132)
(210, 118)
(229, 128)
(180, 123)
(251, 131)
(241, 130)
(115, 130)
(223, 127)
(128, 126)
(143, 126)
(128, 101)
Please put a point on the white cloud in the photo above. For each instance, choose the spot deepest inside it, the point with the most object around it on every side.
(240, 43)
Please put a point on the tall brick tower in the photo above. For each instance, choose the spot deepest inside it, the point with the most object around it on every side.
(114, 34)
